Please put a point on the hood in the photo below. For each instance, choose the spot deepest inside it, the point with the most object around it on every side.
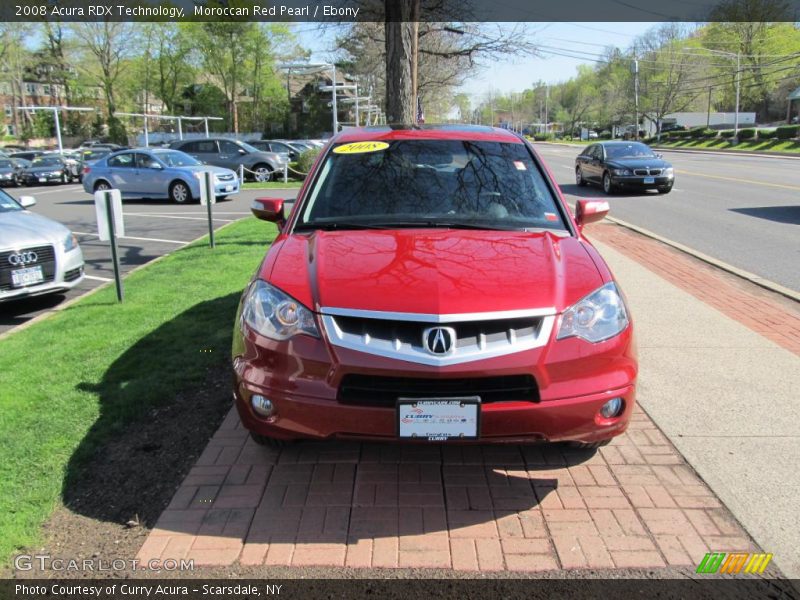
(639, 163)
(44, 169)
(212, 168)
(433, 271)
(25, 228)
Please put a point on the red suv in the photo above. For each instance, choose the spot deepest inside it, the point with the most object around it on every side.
(431, 284)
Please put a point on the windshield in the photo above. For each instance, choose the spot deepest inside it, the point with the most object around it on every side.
(177, 159)
(6, 164)
(248, 147)
(46, 161)
(632, 150)
(432, 183)
(7, 203)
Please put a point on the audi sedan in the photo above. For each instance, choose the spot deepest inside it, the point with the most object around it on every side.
(37, 255)
(431, 285)
(628, 166)
(156, 173)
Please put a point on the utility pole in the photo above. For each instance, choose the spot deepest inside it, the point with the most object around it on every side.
(636, 95)
(546, 98)
(738, 80)
(708, 115)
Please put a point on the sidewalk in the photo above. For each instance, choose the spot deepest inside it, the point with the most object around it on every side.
(721, 393)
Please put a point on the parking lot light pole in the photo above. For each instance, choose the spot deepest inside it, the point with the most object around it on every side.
(56, 110)
(310, 68)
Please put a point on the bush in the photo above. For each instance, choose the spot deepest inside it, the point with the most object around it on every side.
(726, 133)
(542, 137)
(747, 134)
(679, 135)
(702, 132)
(306, 160)
(787, 132)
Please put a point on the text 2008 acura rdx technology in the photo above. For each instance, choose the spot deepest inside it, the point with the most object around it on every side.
(431, 284)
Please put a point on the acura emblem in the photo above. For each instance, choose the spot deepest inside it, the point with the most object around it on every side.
(23, 258)
(439, 340)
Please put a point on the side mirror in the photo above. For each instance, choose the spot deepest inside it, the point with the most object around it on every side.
(589, 211)
(242, 151)
(27, 201)
(156, 166)
(269, 209)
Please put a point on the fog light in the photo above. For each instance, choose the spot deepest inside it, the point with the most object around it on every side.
(263, 406)
(612, 408)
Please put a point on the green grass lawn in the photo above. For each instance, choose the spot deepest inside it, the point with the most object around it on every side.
(784, 146)
(271, 185)
(69, 382)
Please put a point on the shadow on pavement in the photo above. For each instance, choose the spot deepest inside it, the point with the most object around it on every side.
(16, 312)
(779, 214)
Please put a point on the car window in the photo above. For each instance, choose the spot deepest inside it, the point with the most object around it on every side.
(6, 164)
(177, 159)
(121, 160)
(201, 147)
(7, 203)
(47, 161)
(631, 150)
(226, 147)
(431, 182)
(144, 161)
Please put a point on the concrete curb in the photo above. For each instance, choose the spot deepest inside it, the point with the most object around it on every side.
(102, 286)
(751, 277)
(727, 153)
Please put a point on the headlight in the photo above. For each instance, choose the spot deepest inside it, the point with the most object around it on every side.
(669, 172)
(597, 317)
(621, 171)
(57, 173)
(70, 242)
(276, 315)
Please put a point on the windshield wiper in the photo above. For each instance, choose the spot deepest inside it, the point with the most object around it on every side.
(338, 226)
(428, 224)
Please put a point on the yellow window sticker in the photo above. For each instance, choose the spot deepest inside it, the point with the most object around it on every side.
(360, 147)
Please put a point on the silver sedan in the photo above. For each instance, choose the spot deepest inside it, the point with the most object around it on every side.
(37, 255)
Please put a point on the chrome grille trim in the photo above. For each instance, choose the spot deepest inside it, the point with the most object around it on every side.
(406, 345)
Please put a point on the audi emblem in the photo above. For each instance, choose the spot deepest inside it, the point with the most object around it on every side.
(21, 259)
(439, 340)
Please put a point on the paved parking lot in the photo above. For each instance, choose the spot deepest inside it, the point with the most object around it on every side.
(153, 228)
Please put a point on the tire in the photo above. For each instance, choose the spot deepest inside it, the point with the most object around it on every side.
(579, 177)
(665, 190)
(269, 442)
(101, 186)
(608, 187)
(180, 193)
(262, 173)
(590, 445)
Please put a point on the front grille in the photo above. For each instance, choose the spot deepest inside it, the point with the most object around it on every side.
(225, 177)
(403, 339)
(371, 390)
(73, 274)
(46, 258)
(647, 171)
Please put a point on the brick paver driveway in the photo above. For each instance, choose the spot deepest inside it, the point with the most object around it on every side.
(634, 503)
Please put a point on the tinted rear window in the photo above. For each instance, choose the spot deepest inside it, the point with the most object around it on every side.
(429, 181)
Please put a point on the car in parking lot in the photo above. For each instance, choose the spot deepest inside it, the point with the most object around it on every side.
(37, 255)
(223, 152)
(156, 173)
(28, 155)
(432, 285)
(282, 149)
(620, 165)
(47, 168)
(11, 170)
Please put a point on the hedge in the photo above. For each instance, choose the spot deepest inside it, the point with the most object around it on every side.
(787, 132)
(747, 134)
(726, 133)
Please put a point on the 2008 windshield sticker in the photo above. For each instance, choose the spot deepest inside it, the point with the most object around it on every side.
(360, 147)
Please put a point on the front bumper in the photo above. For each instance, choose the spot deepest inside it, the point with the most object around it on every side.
(301, 377)
(641, 183)
(221, 188)
(49, 178)
(68, 274)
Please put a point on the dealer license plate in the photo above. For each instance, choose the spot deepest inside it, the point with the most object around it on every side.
(28, 276)
(439, 419)
(649, 180)
(42, 179)
(228, 188)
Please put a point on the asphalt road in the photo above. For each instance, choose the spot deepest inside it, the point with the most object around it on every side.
(152, 229)
(742, 210)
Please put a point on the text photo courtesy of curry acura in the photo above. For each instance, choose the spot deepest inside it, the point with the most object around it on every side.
(431, 284)
(37, 255)
(156, 173)
(259, 165)
(624, 166)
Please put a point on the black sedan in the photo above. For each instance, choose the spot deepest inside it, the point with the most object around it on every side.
(11, 170)
(47, 169)
(630, 166)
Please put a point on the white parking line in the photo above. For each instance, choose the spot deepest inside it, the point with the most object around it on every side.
(69, 189)
(95, 278)
(127, 214)
(138, 239)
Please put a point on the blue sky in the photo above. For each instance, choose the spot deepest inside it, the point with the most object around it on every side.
(521, 73)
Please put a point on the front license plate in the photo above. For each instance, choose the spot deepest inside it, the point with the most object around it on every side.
(29, 276)
(649, 180)
(439, 419)
(228, 188)
(42, 179)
